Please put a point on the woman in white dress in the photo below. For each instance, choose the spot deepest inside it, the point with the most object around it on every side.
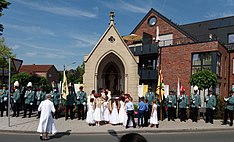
(114, 117)
(46, 123)
(97, 112)
(90, 112)
(122, 110)
(106, 111)
(154, 116)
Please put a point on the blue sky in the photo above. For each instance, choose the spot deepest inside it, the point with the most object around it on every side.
(61, 32)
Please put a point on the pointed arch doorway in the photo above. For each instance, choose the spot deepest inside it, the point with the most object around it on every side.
(111, 74)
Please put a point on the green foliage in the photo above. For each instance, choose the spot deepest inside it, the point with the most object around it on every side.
(220, 105)
(204, 79)
(76, 76)
(22, 77)
(3, 5)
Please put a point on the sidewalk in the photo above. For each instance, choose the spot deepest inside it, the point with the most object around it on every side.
(29, 125)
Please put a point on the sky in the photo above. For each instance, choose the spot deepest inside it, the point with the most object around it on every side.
(61, 32)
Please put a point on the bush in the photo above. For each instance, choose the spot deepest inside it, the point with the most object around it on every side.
(220, 106)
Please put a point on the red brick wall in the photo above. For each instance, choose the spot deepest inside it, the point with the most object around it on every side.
(231, 70)
(177, 60)
(164, 28)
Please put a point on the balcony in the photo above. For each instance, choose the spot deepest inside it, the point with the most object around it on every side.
(230, 47)
(139, 49)
(148, 74)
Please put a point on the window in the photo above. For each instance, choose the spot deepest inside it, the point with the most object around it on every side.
(166, 40)
(218, 66)
(233, 66)
(201, 61)
(231, 38)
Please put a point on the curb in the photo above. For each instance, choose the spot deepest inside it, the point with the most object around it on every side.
(113, 132)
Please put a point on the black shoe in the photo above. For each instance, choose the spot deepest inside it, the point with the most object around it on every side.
(24, 117)
(41, 138)
(224, 124)
(231, 124)
(126, 127)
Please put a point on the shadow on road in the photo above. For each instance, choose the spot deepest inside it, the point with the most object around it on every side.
(113, 133)
(60, 134)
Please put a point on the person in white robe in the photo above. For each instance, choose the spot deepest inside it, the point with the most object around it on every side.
(46, 124)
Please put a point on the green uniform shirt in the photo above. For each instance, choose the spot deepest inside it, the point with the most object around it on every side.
(210, 101)
(56, 97)
(81, 97)
(29, 97)
(230, 103)
(3, 95)
(40, 96)
(183, 101)
(16, 96)
(195, 101)
(171, 101)
(150, 96)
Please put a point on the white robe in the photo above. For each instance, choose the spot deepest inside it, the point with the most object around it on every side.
(46, 123)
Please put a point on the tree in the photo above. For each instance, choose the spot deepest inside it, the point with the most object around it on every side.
(3, 5)
(22, 77)
(80, 69)
(76, 76)
(204, 79)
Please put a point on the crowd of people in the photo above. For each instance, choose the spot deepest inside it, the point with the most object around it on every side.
(100, 108)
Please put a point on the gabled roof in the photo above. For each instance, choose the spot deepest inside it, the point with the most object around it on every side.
(166, 20)
(31, 69)
(100, 40)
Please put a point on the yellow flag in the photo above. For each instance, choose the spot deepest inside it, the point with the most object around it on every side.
(64, 86)
(160, 86)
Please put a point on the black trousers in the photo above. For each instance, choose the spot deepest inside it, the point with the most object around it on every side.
(56, 111)
(69, 108)
(2, 108)
(183, 116)
(227, 113)
(209, 115)
(28, 107)
(194, 114)
(16, 109)
(146, 117)
(81, 111)
(131, 116)
(171, 113)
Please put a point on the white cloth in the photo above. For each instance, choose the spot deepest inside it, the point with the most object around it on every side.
(114, 117)
(90, 114)
(106, 112)
(154, 116)
(46, 123)
(130, 124)
(122, 112)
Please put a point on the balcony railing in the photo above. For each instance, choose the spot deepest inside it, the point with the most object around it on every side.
(148, 74)
(140, 49)
(230, 46)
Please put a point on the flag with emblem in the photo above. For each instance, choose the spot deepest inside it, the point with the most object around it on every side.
(64, 86)
(160, 86)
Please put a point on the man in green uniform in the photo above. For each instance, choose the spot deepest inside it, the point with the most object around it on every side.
(81, 99)
(4, 99)
(183, 105)
(229, 108)
(195, 104)
(16, 100)
(150, 96)
(40, 96)
(70, 103)
(210, 100)
(171, 104)
(29, 99)
(55, 100)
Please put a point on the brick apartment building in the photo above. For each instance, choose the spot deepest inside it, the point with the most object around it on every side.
(184, 50)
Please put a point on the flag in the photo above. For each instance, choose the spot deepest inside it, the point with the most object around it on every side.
(64, 86)
(178, 87)
(160, 86)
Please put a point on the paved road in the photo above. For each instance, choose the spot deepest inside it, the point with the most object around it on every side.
(205, 136)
